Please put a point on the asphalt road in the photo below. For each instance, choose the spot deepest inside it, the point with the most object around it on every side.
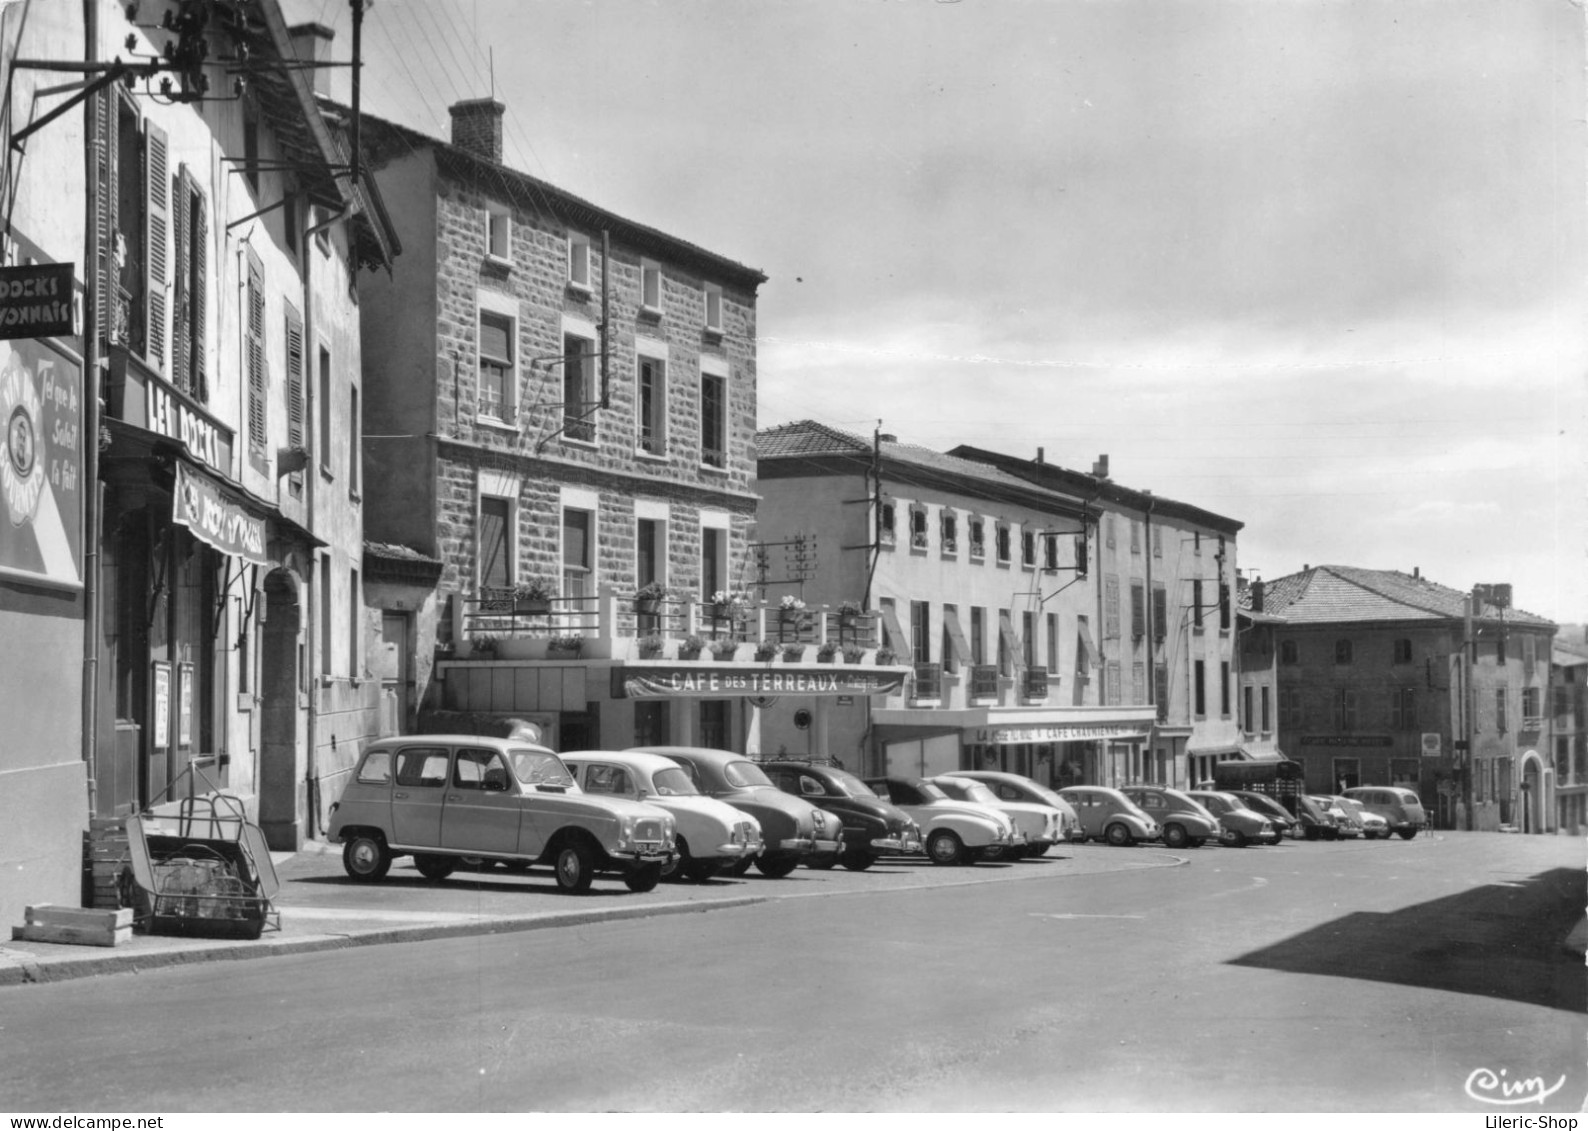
(1305, 977)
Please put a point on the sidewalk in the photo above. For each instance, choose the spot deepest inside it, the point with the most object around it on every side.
(321, 909)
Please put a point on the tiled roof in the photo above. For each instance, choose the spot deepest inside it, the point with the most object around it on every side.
(810, 437)
(1336, 594)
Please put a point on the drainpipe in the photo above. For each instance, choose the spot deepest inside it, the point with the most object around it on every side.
(92, 494)
(311, 355)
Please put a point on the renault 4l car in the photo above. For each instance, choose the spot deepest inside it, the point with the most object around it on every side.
(712, 835)
(1107, 814)
(447, 798)
(872, 827)
(1183, 820)
(1042, 825)
(794, 831)
(956, 832)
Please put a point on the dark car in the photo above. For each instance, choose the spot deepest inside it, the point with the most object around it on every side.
(1317, 823)
(792, 830)
(1276, 813)
(872, 827)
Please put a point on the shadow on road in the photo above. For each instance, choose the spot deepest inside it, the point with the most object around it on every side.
(1500, 940)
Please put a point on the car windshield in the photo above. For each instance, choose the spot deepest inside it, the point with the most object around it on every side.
(745, 775)
(539, 767)
(673, 782)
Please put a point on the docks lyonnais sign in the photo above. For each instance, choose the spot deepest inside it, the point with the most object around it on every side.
(36, 301)
(698, 681)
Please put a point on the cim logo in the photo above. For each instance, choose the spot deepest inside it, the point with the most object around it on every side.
(1488, 1086)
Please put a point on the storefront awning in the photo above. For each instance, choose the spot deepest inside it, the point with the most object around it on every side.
(722, 681)
(215, 517)
(1228, 750)
(1248, 754)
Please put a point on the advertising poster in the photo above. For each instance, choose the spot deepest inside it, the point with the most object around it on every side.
(160, 713)
(41, 464)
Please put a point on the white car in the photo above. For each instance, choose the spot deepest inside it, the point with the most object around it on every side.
(1041, 824)
(1016, 787)
(712, 835)
(954, 832)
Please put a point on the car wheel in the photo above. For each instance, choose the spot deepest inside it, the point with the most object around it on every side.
(575, 867)
(643, 878)
(777, 867)
(1175, 836)
(433, 867)
(675, 868)
(1197, 841)
(740, 867)
(1118, 835)
(977, 855)
(1274, 838)
(1407, 834)
(944, 847)
(1238, 840)
(857, 860)
(699, 871)
(365, 858)
(1311, 833)
(1035, 850)
(824, 862)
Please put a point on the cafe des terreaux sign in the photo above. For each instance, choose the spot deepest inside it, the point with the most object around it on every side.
(707, 682)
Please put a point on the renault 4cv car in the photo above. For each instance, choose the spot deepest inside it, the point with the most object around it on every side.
(1107, 814)
(956, 832)
(445, 798)
(1183, 820)
(1041, 825)
(711, 836)
(1283, 821)
(1017, 787)
(872, 827)
(794, 831)
(1241, 826)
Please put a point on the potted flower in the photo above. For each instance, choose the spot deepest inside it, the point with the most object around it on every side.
(825, 654)
(534, 594)
(650, 646)
(885, 655)
(848, 614)
(648, 598)
(793, 653)
(568, 644)
(853, 653)
(723, 649)
(690, 647)
(766, 649)
(791, 612)
(724, 604)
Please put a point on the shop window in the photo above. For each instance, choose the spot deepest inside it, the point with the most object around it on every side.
(651, 722)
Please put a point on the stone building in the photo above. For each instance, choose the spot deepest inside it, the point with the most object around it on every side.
(561, 415)
(1568, 696)
(1387, 678)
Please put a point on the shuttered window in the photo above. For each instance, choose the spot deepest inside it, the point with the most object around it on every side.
(157, 224)
(190, 218)
(297, 397)
(254, 335)
(495, 570)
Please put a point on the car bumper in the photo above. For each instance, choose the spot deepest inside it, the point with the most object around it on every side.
(894, 844)
(732, 851)
(644, 854)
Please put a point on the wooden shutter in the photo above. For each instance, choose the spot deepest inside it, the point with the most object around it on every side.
(180, 374)
(157, 222)
(295, 395)
(255, 332)
(198, 245)
(106, 290)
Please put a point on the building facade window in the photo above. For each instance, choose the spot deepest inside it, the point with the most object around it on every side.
(1111, 608)
(1224, 689)
(1138, 683)
(325, 411)
(578, 557)
(1111, 679)
(1248, 720)
(1050, 552)
(714, 420)
(948, 532)
(921, 632)
(297, 393)
(978, 539)
(1263, 704)
(254, 338)
(1402, 652)
(1196, 603)
(885, 524)
(1403, 708)
(650, 552)
(1345, 710)
(1135, 537)
(496, 366)
(1199, 689)
(496, 541)
(652, 722)
(1288, 653)
(1138, 610)
(1003, 546)
(1501, 723)
(918, 528)
(327, 620)
(355, 443)
(650, 287)
(650, 398)
(355, 626)
(499, 234)
(579, 261)
(1290, 707)
(711, 295)
(1530, 703)
(1342, 651)
(191, 215)
(1028, 548)
(1053, 644)
(713, 562)
(578, 387)
(715, 724)
(978, 635)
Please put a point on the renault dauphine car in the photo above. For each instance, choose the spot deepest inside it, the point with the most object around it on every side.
(956, 832)
(873, 828)
(447, 798)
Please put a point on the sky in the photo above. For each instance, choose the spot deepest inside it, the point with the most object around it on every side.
(1315, 266)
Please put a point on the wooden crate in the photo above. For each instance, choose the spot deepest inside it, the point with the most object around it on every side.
(76, 926)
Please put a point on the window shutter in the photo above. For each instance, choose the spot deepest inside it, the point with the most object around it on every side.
(107, 297)
(295, 397)
(157, 222)
(199, 248)
(1160, 612)
(493, 339)
(180, 374)
(255, 315)
(1138, 610)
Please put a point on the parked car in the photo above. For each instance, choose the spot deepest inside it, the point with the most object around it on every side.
(1346, 823)
(1399, 806)
(1269, 807)
(1317, 823)
(1240, 826)
(711, 834)
(445, 798)
(1183, 821)
(872, 827)
(955, 832)
(1041, 825)
(1107, 814)
(1374, 827)
(793, 831)
(1014, 787)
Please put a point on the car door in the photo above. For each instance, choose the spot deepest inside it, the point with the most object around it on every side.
(418, 796)
(482, 812)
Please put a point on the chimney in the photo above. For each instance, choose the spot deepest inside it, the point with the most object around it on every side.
(311, 43)
(477, 127)
(1257, 595)
(1040, 457)
(1100, 468)
(1417, 573)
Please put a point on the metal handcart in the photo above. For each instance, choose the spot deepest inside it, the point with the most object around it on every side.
(200, 869)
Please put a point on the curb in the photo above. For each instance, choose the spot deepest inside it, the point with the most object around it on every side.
(31, 971)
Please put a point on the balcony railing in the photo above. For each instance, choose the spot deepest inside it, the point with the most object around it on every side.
(984, 681)
(1035, 685)
(928, 682)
